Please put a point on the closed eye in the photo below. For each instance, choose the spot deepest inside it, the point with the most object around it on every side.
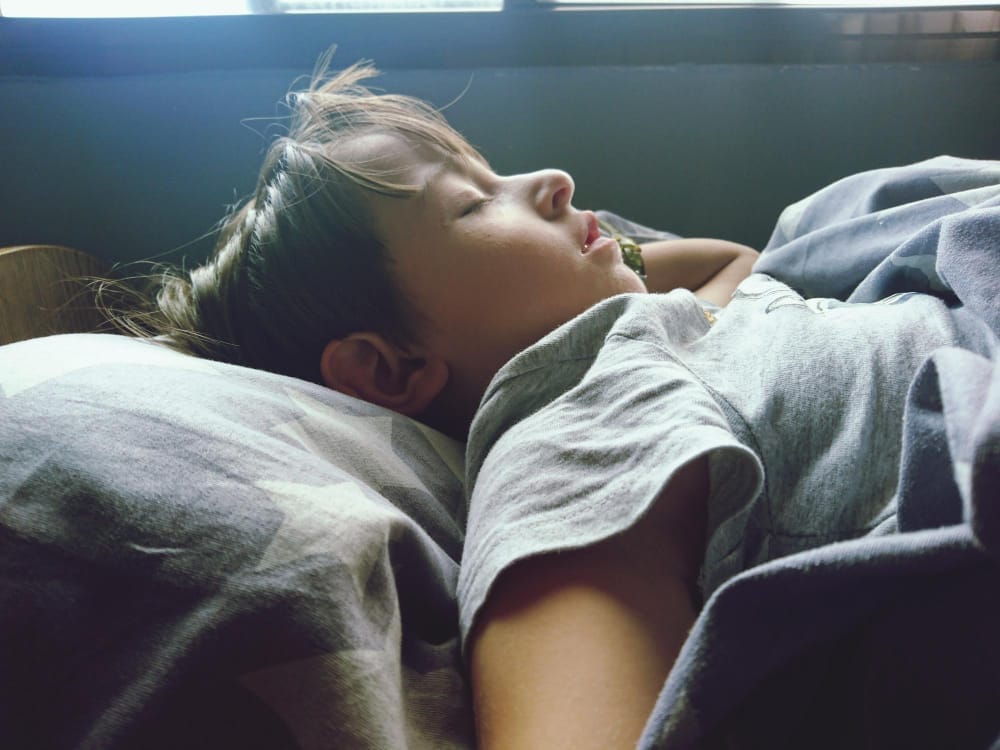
(475, 206)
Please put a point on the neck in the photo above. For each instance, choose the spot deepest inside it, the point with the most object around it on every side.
(452, 411)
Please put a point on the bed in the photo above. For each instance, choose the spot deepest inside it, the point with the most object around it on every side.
(194, 554)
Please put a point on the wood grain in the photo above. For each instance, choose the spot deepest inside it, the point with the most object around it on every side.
(43, 291)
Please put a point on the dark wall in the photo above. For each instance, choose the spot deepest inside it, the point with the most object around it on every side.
(128, 167)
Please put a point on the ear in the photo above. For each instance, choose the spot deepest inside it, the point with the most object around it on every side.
(366, 366)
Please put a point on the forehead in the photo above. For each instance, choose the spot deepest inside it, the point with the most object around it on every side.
(398, 158)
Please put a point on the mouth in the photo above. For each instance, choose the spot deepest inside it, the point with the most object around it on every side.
(593, 230)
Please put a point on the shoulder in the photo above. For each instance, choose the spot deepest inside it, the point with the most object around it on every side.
(610, 356)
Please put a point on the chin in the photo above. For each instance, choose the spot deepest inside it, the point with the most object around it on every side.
(633, 284)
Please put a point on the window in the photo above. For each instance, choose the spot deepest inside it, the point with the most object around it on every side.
(371, 6)
(119, 8)
(153, 8)
(829, 4)
(100, 37)
(149, 8)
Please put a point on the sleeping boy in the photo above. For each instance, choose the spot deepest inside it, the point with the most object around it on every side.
(616, 439)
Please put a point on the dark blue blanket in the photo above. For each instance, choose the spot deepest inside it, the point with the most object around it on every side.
(884, 641)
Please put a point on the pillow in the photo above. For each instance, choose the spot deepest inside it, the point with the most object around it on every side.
(195, 554)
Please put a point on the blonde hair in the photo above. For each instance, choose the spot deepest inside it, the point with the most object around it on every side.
(300, 262)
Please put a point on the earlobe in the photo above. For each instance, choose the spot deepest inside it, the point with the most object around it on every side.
(366, 366)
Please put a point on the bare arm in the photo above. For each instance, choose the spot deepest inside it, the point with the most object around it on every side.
(710, 268)
(571, 649)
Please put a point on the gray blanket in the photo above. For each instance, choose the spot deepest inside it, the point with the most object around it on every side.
(885, 641)
(197, 555)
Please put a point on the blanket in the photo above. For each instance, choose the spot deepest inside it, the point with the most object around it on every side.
(199, 555)
(887, 640)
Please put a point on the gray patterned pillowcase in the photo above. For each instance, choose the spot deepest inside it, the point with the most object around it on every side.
(194, 553)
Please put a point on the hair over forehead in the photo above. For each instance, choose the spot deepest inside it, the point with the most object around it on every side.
(335, 111)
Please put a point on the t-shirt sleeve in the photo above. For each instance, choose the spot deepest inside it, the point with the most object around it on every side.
(591, 462)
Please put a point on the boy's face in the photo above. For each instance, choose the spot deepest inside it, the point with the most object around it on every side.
(493, 263)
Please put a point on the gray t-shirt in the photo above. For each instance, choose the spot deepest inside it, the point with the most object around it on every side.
(798, 405)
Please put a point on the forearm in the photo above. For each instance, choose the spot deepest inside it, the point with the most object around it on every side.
(711, 268)
(719, 289)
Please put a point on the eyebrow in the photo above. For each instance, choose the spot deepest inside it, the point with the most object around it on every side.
(434, 177)
(430, 187)
(445, 166)
(450, 161)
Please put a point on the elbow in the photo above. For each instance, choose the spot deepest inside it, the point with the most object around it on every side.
(747, 255)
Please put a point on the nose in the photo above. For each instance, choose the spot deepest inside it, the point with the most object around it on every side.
(553, 191)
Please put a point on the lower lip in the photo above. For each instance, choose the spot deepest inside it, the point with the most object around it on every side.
(602, 245)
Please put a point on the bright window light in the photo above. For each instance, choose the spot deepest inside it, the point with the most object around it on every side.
(120, 8)
(833, 4)
(146, 8)
(134, 8)
(384, 6)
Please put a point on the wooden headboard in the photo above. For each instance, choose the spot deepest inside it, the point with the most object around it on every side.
(43, 291)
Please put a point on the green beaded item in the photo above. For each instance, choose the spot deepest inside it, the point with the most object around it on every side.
(631, 252)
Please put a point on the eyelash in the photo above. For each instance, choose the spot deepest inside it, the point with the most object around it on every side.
(475, 206)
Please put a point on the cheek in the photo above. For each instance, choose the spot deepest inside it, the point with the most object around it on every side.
(457, 298)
